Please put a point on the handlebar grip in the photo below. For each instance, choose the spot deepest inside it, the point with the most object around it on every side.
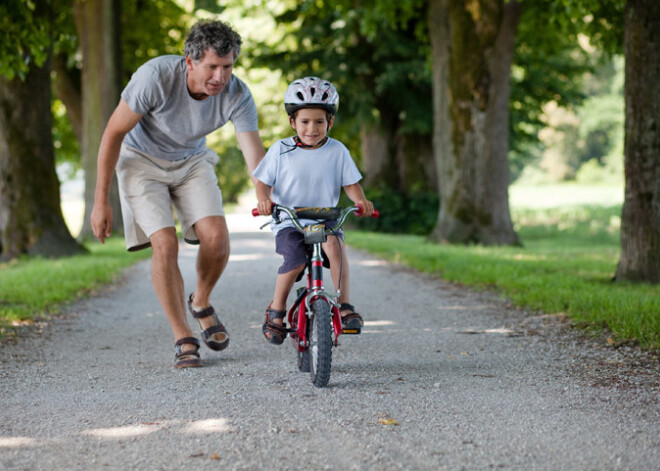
(255, 211)
(360, 211)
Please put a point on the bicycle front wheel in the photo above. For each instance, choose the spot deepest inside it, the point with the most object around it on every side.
(320, 348)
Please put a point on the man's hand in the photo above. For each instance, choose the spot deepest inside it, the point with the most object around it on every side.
(101, 220)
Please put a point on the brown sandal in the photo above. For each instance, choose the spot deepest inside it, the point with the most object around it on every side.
(187, 358)
(351, 323)
(277, 332)
(218, 328)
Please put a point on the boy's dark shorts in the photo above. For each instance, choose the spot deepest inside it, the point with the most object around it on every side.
(290, 243)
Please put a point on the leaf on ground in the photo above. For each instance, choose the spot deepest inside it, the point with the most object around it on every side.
(215, 456)
(388, 421)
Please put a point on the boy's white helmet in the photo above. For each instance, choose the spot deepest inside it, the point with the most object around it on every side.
(311, 92)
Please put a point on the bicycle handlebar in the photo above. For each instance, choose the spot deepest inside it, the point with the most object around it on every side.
(357, 209)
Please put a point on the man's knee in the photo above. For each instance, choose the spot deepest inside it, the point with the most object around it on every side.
(164, 244)
(213, 235)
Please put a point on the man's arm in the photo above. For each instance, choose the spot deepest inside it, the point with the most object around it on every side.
(253, 150)
(123, 119)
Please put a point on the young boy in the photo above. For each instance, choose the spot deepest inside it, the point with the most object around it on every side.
(308, 170)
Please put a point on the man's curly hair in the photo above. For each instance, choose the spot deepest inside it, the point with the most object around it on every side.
(216, 35)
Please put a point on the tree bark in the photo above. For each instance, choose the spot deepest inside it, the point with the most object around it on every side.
(472, 46)
(640, 220)
(68, 89)
(98, 31)
(31, 220)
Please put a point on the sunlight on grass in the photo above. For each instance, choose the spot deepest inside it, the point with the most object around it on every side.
(566, 266)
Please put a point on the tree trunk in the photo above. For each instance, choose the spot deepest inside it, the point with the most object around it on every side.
(640, 220)
(398, 162)
(375, 155)
(68, 89)
(98, 31)
(31, 220)
(473, 46)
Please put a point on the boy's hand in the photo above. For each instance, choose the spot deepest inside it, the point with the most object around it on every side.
(368, 208)
(265, 207)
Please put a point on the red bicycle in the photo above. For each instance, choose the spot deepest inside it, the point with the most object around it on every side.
(314, 319)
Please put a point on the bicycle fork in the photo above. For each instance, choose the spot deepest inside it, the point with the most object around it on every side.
(314, 291)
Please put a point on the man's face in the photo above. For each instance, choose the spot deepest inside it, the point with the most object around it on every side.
(210, 75)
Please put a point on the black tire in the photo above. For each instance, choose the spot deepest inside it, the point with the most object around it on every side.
(320, 339)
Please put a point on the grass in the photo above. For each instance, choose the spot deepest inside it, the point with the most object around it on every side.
(36, 288)
(565, 267)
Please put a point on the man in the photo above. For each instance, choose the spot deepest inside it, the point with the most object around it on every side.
(156, 141)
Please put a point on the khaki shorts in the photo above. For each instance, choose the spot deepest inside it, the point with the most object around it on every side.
(149, 187)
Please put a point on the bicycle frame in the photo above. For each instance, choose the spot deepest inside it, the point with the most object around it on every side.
(301, 307)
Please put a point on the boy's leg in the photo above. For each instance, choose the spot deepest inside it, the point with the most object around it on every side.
(276, 311)
(283, 285)
(335, 250)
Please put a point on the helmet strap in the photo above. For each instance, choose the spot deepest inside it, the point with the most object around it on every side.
(302, 145)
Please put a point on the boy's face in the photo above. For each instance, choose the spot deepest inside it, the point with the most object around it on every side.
(312, 125)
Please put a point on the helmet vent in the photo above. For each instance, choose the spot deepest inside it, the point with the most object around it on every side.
(300, 95)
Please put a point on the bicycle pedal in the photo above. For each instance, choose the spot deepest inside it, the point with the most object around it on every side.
(351, 331)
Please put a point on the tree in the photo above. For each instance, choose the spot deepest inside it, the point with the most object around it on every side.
(640, 221)
(97, 24)
(473, 46)
(31, 220)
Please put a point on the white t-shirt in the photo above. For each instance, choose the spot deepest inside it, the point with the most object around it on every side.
(174, 125)
(307, 177)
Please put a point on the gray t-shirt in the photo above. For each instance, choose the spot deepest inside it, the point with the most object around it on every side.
(174, 125)
(307, 177)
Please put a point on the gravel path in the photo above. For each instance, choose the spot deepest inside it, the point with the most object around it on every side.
(441, 378)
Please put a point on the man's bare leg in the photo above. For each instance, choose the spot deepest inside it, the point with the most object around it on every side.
(168, 282)
(212, 259)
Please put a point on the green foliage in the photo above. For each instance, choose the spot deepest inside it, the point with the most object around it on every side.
(549, 65)
(413, 213)
(67, 147)
(150, 29)
(565, 268)
(25, 36)
(232, 174)
(381, 70)
(35, 288)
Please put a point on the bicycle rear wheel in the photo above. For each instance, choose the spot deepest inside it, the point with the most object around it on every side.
(320, 348)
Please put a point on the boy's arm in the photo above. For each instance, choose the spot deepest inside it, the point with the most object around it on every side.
(355, 193)
(264, 203)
